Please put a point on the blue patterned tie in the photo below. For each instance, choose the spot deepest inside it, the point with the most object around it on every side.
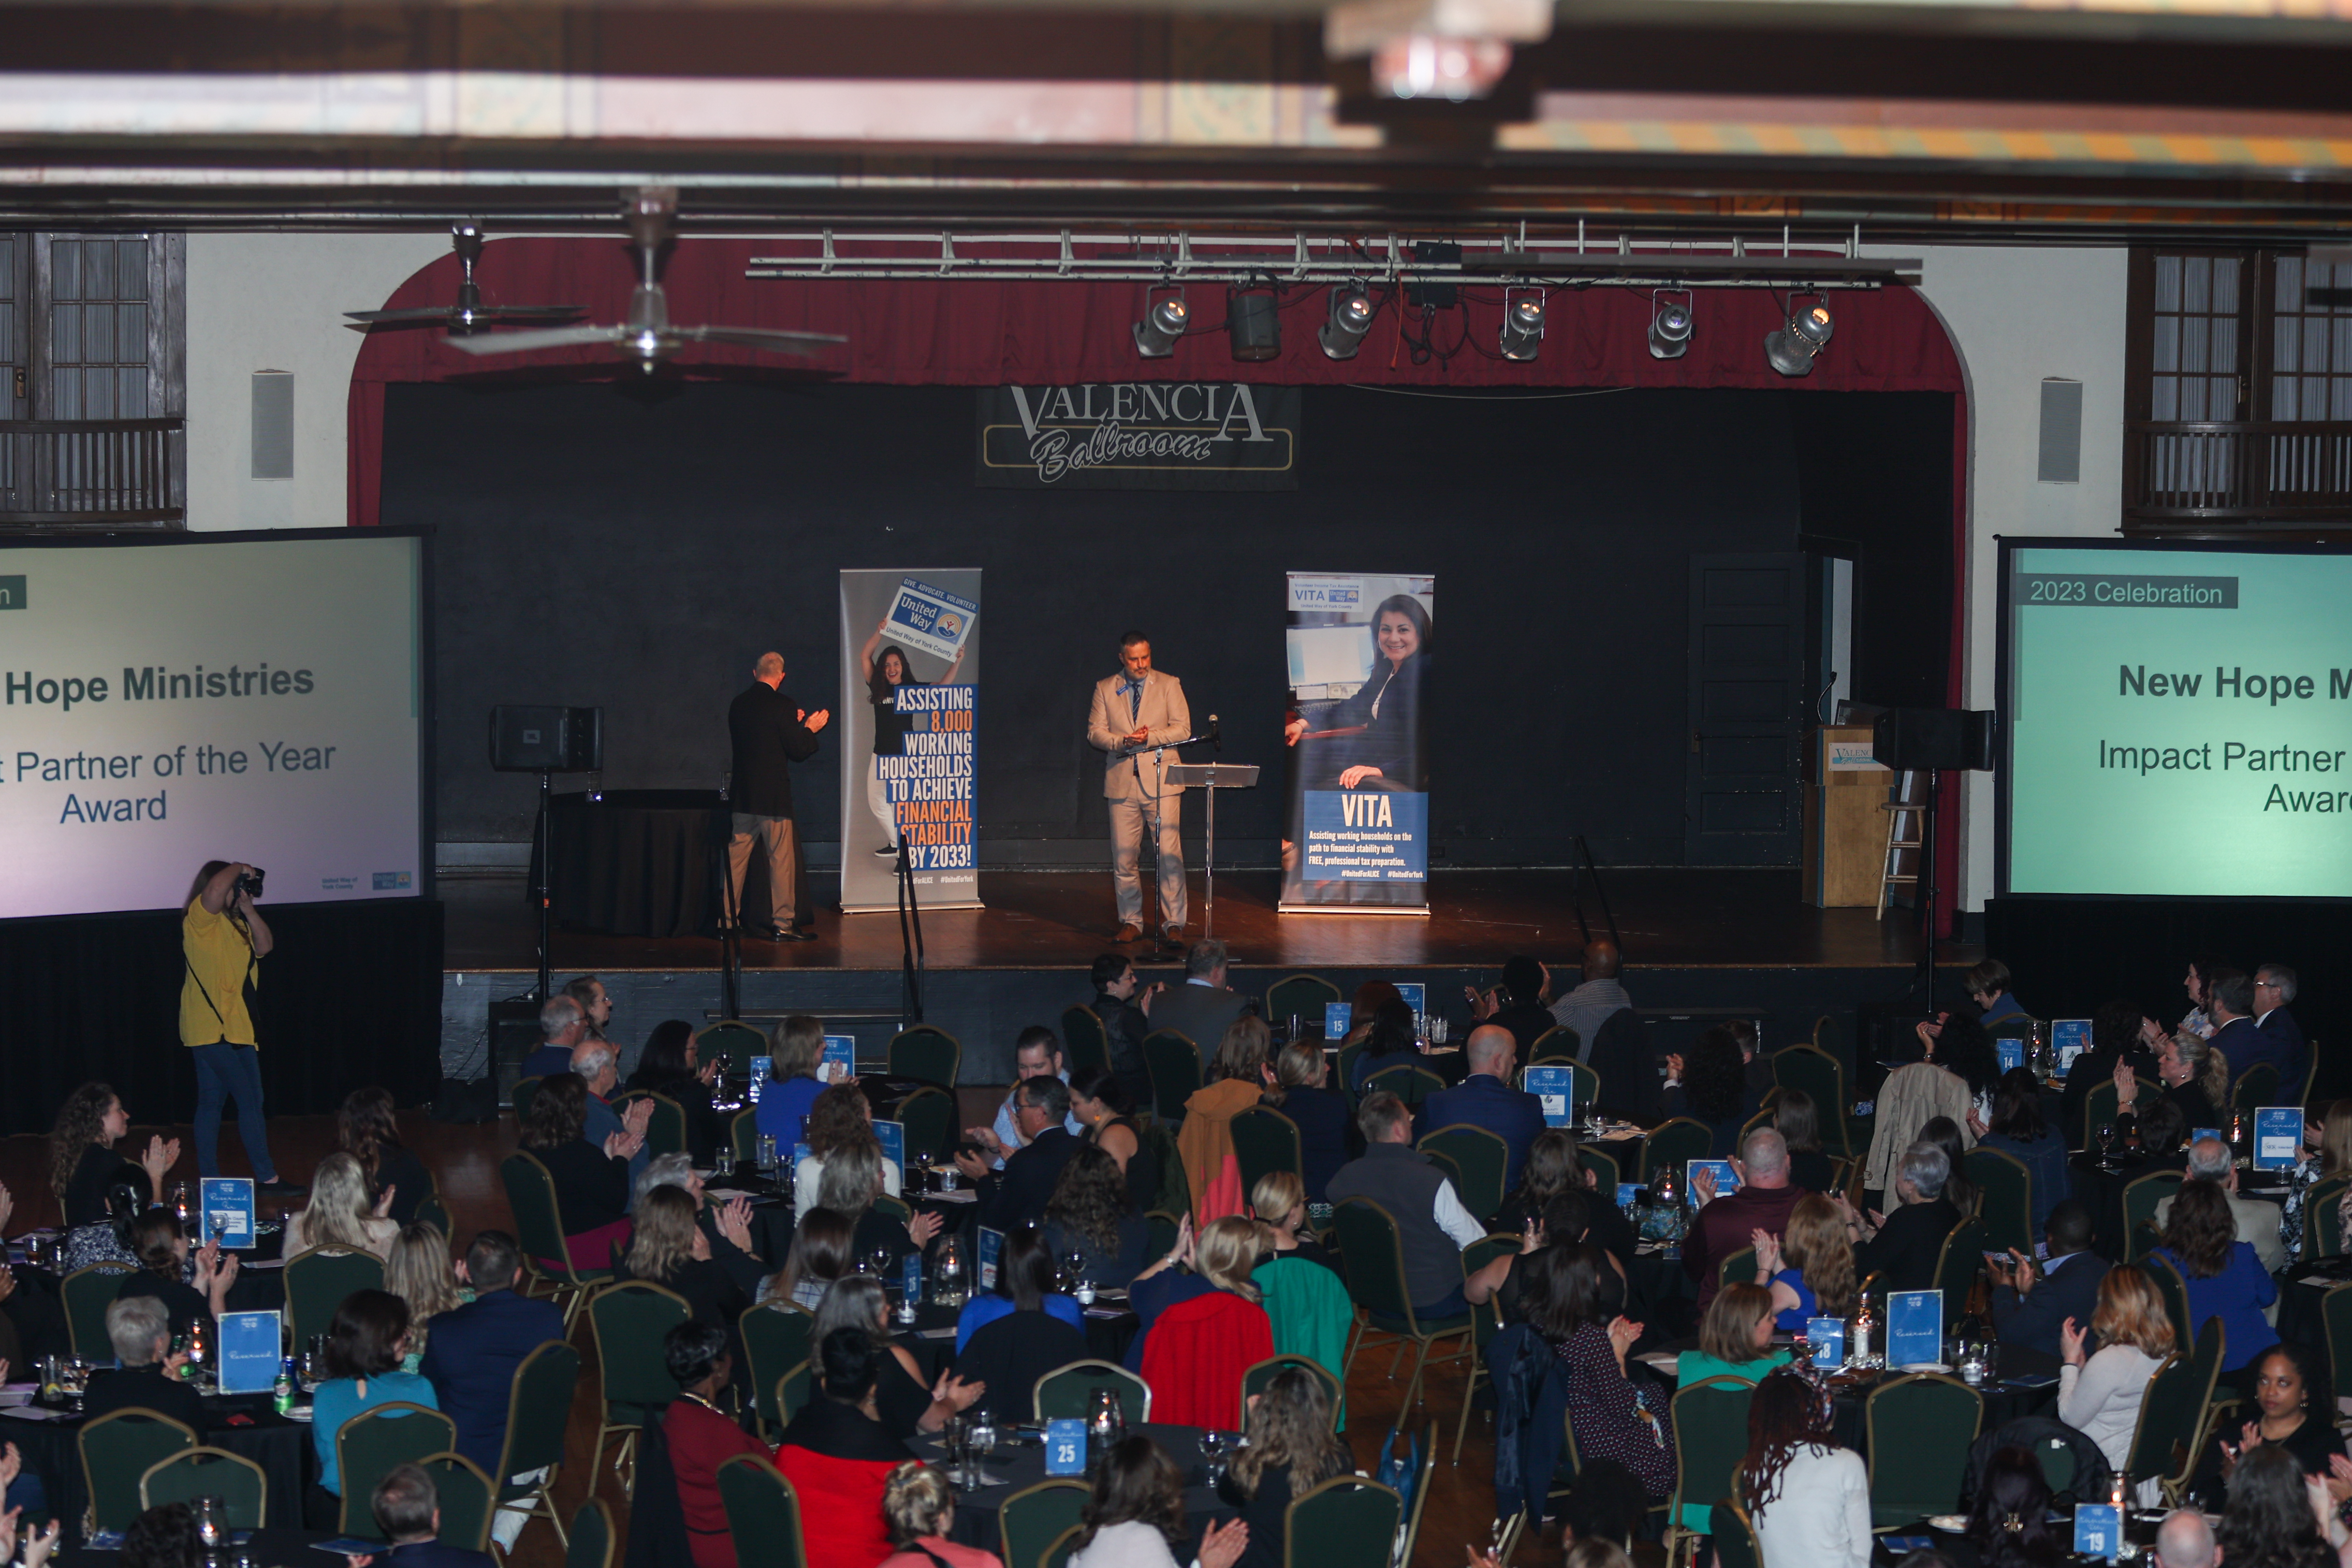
(1134, 700)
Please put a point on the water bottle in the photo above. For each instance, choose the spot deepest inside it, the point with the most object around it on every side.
(281, 1392)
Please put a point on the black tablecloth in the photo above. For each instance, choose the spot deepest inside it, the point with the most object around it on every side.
(280, 1446)
(1107, 1337)
(1023, 1465)
(2004, 1399)
(271, 1548)
(639, 862)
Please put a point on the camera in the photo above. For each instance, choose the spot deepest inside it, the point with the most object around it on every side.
(248, 883)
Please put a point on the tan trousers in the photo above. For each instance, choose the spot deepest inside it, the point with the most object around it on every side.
(1131, 825)
(783, 844)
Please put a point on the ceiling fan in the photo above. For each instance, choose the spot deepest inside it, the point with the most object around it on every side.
(647, 336)
(468, 315)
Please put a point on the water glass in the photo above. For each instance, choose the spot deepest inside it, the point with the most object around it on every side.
(209, 1513)
(1212, 1449)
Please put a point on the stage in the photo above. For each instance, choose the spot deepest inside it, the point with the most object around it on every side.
(1697, 943)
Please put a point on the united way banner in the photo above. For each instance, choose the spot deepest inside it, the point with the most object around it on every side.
(909, 711)
(1140, 436)
(1359, 646)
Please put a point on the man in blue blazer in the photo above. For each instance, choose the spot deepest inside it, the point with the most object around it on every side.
(2230, 1003)
(407, 1509)
(1486, 1100)
(2031, 1301)
(474, 1350)
(2273, 989)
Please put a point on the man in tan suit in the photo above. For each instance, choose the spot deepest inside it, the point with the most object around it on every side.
(1141, 707)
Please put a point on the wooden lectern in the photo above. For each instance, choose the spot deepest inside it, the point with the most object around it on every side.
(1845, 831)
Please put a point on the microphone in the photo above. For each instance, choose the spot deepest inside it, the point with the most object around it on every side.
(1216, 735)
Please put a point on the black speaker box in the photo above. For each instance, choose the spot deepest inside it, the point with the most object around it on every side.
(514, 1035)
(1949, 738)
(526, 740)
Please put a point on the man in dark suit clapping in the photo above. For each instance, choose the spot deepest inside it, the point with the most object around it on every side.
(1016, 1195)
(407, 1509)
(769, 734)
(2031, 1301)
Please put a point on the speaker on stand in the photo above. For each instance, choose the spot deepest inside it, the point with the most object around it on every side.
(546, 741)
(1936, 741)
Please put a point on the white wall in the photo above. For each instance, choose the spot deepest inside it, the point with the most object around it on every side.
(2017, 316)
(275, 302)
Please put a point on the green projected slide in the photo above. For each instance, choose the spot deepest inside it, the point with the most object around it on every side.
(2179, 722)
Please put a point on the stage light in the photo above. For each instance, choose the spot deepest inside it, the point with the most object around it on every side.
(1523, 323)
(1793, 348)
(1350, 319)
(1670, 323)
(1163, 322)
(1254, 323)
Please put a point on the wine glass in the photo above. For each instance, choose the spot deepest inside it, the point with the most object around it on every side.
(1212, 1449)
(1073, 1264)
(2106, 1139)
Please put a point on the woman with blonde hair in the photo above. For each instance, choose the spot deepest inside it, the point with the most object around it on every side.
(668, 1249)
(418, 1270)
(840, 1118)
(1279, 1202)
(2101, 1397)
(1735, 1340)
(1214, 1327)
(1302, 1091)
(341, 1212)
(920, 1503)
(1237, 1077)
(1810, 1266)
(797, 1053)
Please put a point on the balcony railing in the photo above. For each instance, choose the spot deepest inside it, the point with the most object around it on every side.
(2238, 471)
(110, 473)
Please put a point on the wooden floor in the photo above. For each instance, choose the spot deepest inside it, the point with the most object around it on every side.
(1667, 917)
(464, 1160)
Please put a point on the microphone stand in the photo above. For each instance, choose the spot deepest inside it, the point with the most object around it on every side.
(910, 940)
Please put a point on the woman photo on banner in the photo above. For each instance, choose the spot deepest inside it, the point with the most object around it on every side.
(1372, 739)
(887, 667)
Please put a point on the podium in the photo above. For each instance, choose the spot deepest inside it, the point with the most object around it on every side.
(1845, 830)
(1212, 777)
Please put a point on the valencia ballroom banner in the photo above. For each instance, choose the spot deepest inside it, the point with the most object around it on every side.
(1359, 646)
(911, 675)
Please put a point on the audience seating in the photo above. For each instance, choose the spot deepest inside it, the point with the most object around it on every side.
(86, 1293)
(537, 1414)
(2180, 1442)
(629, 1321)
(928, 1115)
(1480, 1158)
(1420, 1499)
(1160, 1228)
(1710, 1439)
(743, 1136)
(1031, 1519)
(1556, 1046)
(1068, 1391)
(665, 1128)
(318, 1280)
(592, 1540)
(1305, 995)
(1920, 1425)
(1265, 1140)
(1084, 1042)
(547, 1269)
(435, 1213)
(2007, 1205)
(1957, 1266)
(2098, 1110)
(1737, 1268)
(2142, 1195)
(117, 1450)
(2254, 1087)
(1734, 1535)
(791, 1392)
(1606, 1171)
(927, 1052)
(466, 1497)
(775, 1335)
(373, 1443)
(734, 1041)
(1346, 1522)
(1174, 1063)
(1822, 1077)
(1672, 1145)
(1254, 1380)
(1375, 1259)
(241, 1486)
(1408, 1082)
(1057, 1555)
(2323, 1228)
(2335, 1318)
(2175, 1291)
(763, 1514)
(526, 1089)
(1485, 1321)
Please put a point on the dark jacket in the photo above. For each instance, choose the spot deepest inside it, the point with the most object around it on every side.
(1905, 1251)
(412, 1183)
(2035, 1317)
(1016, 1195)
(1265, 1512)
(147, 1388)
(1403, 1181)
(1528, 1022)
(706, 1129)
(1325, 1135)
(543, 1061)
(100, 1168)
(1620, 1053)
(434, 1554)
(2281, 1045)
(1531, 1418)
(2095, 1066)
(1124, 1026)
(1485, 1101)
(183, 1301)
(592, 1190)
(765, 726)
(2279, 1025)
(1202, 1014)
(1012, 1353)
(471, 1357)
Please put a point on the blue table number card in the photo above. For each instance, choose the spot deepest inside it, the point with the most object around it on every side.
(2011, 1053)
(991, 1247)
(2069, 1038)
(760, 1067)
(1827, 1337)
(914, 1281)
(2098, 1530)
(1915, 1327)
(2197, 1133)
(227, 1210)
(1727, 1180)
(1334, 1019)
(839, 1063)
(1555, 1087)
(1066, 1448)
(249, 1352)
(1628, 1194)
(2278, 1135)
(892, 1136)
(1416, 996)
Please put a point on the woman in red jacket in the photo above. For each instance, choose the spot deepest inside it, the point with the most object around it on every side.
(701, 1439)
(836, 1449)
